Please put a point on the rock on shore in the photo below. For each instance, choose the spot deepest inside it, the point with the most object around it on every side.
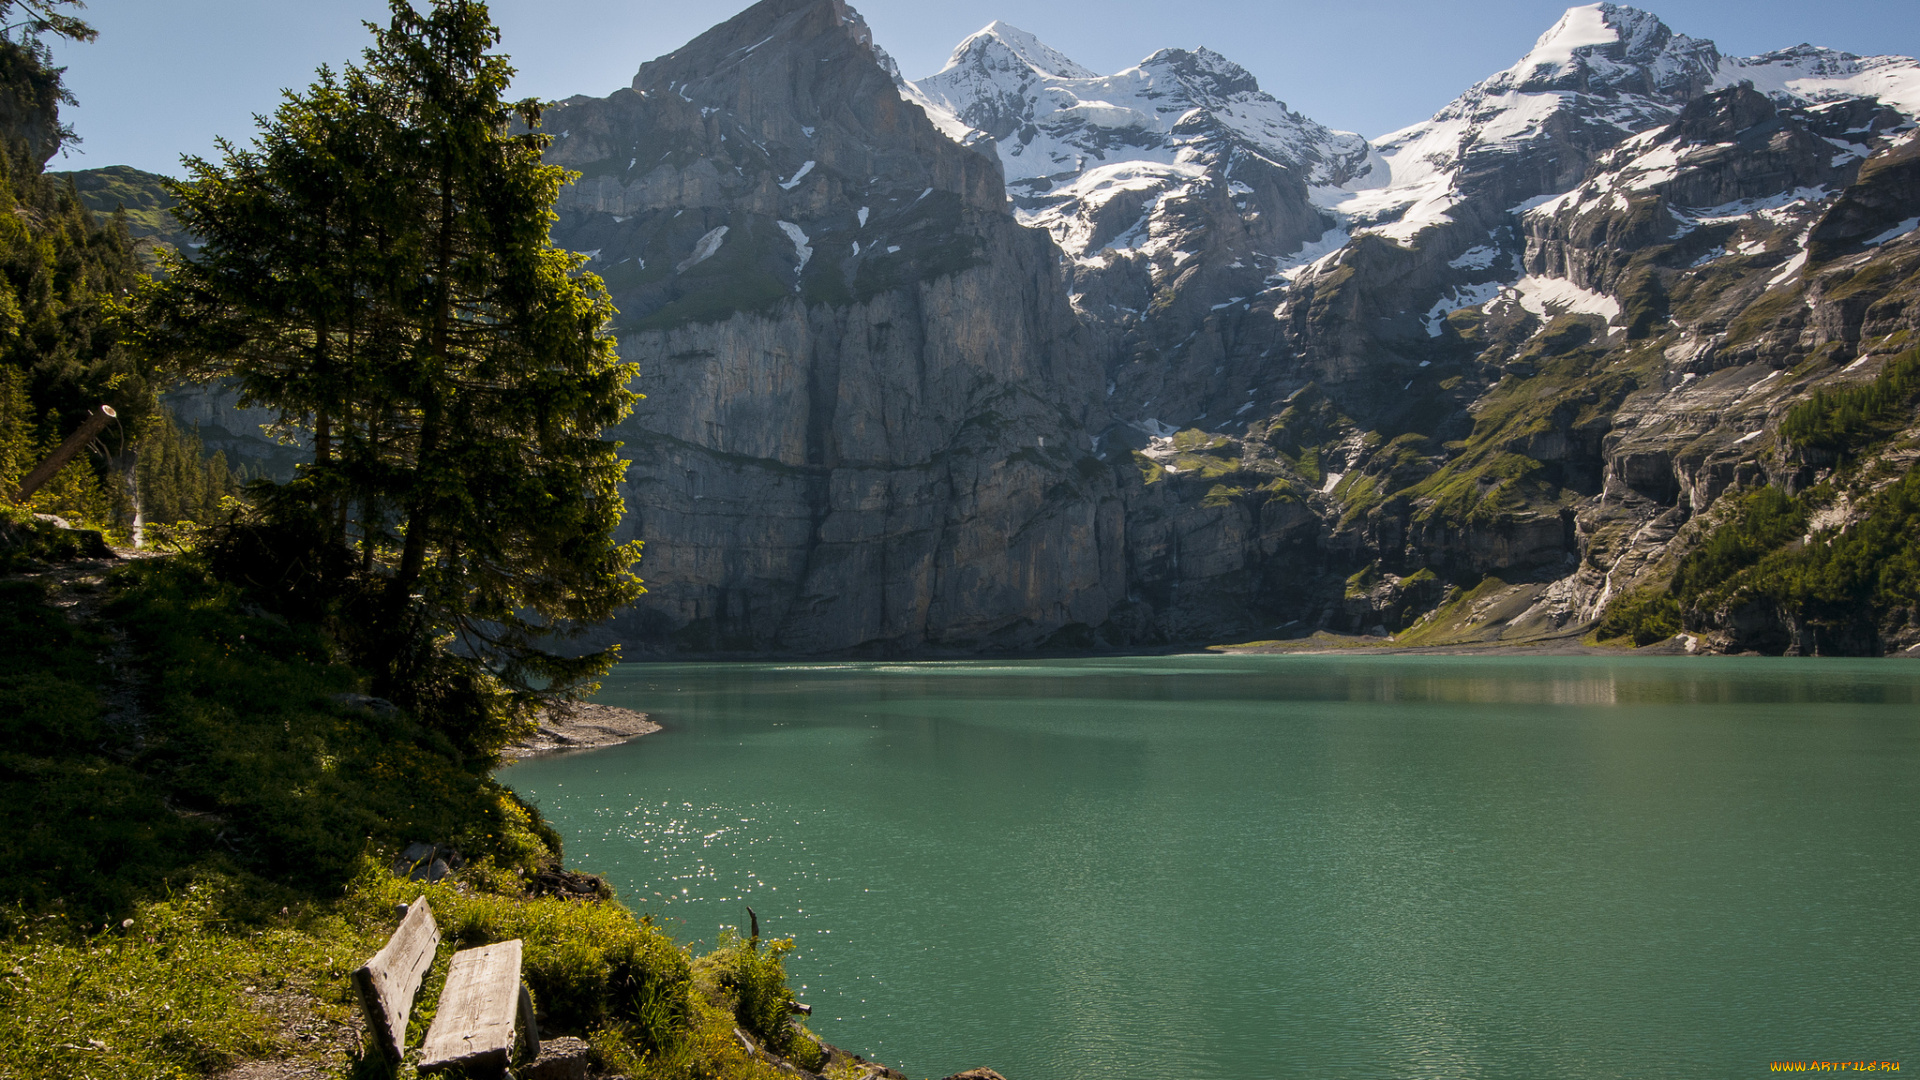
(583, 726)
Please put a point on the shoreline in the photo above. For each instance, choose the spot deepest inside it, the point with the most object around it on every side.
(581, 726)
(1322, 643)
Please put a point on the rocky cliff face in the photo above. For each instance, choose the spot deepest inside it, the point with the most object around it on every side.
(868, 401)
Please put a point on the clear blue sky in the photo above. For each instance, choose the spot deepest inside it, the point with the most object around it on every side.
(167, 76)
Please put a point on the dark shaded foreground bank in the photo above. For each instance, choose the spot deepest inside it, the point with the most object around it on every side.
(206, 815)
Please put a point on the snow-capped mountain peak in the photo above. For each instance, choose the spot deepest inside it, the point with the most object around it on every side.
(1115, 163)
(1000, 42)
(1610, 47)
(1601, 73)
(1579, 28)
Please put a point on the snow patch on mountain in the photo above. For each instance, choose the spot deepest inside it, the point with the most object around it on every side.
(1774, 208)
(1460, 296)
(1312, 258)
(801, 249)
(1546, 297)
(703, 249)
(1073, 214)
(799, 175)
(1896, 232)
(1808, 74)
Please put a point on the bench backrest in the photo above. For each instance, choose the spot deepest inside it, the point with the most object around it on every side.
(389, 981)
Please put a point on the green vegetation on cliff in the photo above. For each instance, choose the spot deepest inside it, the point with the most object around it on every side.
(1838, 584)
(1845, 421)
(1834, 586)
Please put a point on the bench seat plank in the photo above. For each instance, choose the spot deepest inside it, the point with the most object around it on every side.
(388, 982)
(474, 1027)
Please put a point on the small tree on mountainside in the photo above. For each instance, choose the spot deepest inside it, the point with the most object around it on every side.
(377, 268)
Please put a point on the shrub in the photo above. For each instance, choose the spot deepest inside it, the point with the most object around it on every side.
(1643, 617)
(757, 979)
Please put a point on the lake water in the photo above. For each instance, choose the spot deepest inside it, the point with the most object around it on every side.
(1219, 868)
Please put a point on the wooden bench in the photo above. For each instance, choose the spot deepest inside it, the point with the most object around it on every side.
(473, 1030)
(388, 982)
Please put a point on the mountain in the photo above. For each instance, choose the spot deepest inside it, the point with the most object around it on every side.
(136, 192)
(869, 403)
(1172, 187)
(1022, 355)
(1519, 326)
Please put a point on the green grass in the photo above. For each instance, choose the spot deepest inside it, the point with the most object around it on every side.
(1320, 640)
(1449, 622)
(1481, 489)
(161, 994)
(175, 989)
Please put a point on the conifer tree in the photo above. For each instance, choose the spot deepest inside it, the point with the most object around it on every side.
(377, 268)
(62, 275)
(179, 483)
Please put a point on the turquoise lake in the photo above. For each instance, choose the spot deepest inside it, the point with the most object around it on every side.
(1227, 867)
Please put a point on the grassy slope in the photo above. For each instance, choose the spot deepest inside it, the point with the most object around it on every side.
(148, 206)
(174, 876)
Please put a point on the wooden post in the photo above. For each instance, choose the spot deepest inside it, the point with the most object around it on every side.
(529, 1023)
(45, 471)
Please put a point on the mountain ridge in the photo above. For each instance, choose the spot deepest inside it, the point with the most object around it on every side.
(1020, 355)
